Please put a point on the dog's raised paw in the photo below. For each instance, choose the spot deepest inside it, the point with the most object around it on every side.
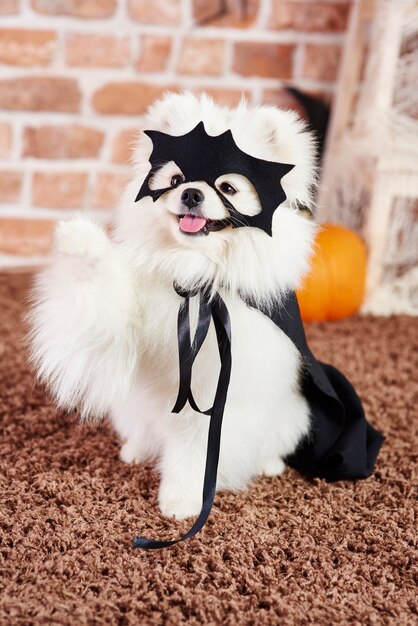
(81, 238)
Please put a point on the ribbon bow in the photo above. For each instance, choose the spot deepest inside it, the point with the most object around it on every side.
(215, 309)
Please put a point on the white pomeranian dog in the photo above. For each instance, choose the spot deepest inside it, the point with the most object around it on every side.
(104, 317)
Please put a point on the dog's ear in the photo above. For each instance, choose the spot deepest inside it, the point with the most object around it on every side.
(291, 143)
(168, 114)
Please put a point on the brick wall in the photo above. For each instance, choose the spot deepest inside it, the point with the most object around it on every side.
(75, 75)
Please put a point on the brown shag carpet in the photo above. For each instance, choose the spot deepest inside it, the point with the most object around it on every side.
(289, 551)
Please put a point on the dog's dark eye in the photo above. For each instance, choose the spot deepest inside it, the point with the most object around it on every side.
(176, 180)
(227, 188)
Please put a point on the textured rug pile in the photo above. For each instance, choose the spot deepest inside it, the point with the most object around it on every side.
(289, 551)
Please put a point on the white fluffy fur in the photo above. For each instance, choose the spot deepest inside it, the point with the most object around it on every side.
(104, 315)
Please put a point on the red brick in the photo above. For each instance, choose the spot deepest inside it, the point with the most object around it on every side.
(155, 11)
(62, 142)
(283, 99)
(409, 44)
(155, 51)
(207, 13)
(26, 47)
(62, 190)
(269, 60)
(97, 50)
(9, 7)
(88, 9)
(39, 94)
(25, 236)
(123, 144)
(309, 16)
(108, 190)
(5, 140)
(200, 56)
(322, 61)
(227, 97)
(10, 186)
(125, 98)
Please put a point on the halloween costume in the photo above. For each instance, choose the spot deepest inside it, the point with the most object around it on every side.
(341, 443)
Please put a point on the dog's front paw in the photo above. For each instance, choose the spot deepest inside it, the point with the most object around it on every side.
(273, 467)
(81, 238)
(180, 508)
(132, 453)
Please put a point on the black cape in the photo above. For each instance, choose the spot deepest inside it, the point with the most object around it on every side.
(341, 444)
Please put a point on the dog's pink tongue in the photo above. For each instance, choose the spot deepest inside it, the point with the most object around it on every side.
(192, 224)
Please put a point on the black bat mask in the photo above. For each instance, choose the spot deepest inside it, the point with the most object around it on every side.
(202, 157)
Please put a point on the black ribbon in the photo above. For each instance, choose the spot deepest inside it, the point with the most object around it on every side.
(209, 308)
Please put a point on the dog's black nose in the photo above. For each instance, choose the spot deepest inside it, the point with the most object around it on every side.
(192, 197)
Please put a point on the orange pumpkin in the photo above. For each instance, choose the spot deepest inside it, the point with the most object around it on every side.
(334, 286)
